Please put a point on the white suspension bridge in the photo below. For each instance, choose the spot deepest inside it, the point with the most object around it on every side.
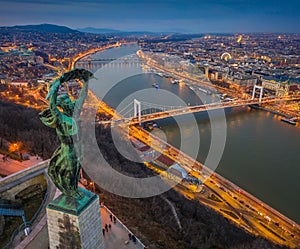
(140, 111)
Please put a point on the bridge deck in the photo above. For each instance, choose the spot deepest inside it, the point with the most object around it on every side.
(193, 109)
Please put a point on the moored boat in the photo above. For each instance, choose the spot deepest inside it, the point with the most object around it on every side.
(204, 91)
(289, 121)
(155, 85)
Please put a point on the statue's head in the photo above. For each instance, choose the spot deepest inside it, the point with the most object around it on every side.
(66, 104)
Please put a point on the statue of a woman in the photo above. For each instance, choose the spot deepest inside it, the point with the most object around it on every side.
(64, 167)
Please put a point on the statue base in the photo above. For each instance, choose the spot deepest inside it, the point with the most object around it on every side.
(75, 223)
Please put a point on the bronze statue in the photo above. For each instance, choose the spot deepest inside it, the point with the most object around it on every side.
(64, 167)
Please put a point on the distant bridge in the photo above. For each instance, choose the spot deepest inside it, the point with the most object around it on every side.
(121, 60)
(94, 64)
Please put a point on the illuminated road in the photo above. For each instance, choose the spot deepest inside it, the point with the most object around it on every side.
(153, 64)
(92, 51)
(248, 212)
(251, 212)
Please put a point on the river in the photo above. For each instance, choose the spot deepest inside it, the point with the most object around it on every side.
(262, 154)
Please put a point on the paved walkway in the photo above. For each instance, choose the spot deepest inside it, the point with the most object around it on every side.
(10, 166)
(117, 236)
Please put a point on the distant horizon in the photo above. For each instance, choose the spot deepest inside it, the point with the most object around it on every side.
(146, 31)
(193, 16)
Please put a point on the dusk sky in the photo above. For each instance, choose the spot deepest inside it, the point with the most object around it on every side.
(154, 15)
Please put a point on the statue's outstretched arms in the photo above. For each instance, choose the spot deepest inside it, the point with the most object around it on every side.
(54, 86)
(53, 96)
(51, 115)
(85, 76)
(82, 95)
(77, 73)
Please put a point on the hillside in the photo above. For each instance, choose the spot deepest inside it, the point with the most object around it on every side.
(47, 28)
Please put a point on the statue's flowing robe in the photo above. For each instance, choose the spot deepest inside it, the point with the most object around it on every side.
(64, 167)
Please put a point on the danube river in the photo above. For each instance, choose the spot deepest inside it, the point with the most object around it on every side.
(261, 155)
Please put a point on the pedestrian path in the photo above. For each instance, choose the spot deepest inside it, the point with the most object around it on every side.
(117, 236)
(9, 166)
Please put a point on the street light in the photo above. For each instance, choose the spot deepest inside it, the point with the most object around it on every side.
(15, 147)
(92, 186)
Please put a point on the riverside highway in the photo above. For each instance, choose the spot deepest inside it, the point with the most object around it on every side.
(237, 205)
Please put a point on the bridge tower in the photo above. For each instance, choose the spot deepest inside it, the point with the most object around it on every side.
(89, 64)
(261, 88)
(137, 110)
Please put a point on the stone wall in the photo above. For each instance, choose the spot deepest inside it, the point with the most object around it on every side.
(24, 183)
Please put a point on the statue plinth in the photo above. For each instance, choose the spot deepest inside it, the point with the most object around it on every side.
(75, 223)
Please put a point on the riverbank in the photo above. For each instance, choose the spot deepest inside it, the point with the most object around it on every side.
(272, 111)
(280, 113)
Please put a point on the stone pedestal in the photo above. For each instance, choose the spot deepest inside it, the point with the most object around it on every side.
(75, 223)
